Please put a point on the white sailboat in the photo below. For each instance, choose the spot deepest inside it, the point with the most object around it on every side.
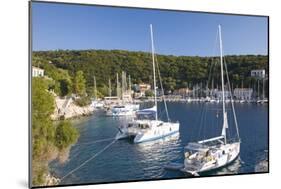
(147, 126)
(125, 107)
(216, 152)
(96, 103)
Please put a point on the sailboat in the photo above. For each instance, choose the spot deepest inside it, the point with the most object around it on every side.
(147, 127)
(96, 104)
(219, 151)
(125, 107)
(263, 100)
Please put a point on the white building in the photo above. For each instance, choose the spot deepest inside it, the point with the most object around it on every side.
(243, 93)
(218, 94)
(258, 73)
(37, 72)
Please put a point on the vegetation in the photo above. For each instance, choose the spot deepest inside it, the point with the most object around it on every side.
(79, 84)
(83, 101)
(47, 139)
(65, 135)
(149, 93)
(176, 71)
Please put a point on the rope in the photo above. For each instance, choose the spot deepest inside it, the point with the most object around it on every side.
(162, 89)
(231, 98)
(97, 141)
(91, 158)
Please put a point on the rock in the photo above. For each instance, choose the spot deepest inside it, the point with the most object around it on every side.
(50, 180)
(262, 166)
(66, 109)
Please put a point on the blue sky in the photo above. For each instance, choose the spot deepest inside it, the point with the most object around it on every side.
(64, 26)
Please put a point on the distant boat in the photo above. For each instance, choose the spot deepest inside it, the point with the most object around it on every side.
(216, 152)
(96, 104)
(263, 100)
(123, 110)
(147, 127)
(123, 107)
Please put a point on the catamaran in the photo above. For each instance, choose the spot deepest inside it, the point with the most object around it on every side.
(216, 152)
(147, 126)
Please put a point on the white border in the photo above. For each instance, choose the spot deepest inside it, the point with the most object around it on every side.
(14, 88)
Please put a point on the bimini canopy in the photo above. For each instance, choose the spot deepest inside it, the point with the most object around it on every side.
(149, 113)
(196, 147)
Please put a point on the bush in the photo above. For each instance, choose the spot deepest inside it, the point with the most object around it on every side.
(83, 101)
(65, 135)
(149, 93)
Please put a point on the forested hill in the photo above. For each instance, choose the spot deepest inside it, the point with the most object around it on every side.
(176, 71)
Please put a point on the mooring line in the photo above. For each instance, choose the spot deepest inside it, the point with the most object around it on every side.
(86, 143)
(85, 162)
(96, 141)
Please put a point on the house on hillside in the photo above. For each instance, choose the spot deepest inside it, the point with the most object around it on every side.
(243, 93)
(258, 74)
(37, 72)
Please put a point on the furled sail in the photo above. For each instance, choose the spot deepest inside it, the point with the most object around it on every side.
(225, 124)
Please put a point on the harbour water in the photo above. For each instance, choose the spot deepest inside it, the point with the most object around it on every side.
(125, 161)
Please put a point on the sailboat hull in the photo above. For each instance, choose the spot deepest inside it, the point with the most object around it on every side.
(166, 129)
(225, 155)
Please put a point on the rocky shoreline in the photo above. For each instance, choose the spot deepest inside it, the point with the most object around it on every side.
(50, 180)
(67, 109)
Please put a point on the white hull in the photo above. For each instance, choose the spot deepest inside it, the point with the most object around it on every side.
(120, 114)
(126, 110)
(231, 152)
(97, 104)
(149, 134)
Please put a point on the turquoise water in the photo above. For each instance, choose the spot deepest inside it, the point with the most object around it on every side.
(124, 161)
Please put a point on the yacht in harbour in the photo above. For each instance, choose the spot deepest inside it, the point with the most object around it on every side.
(147, 126)
(213, 153)
(124, 105)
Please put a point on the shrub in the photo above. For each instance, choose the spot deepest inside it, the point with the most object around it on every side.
(65, 135)
(83, 101)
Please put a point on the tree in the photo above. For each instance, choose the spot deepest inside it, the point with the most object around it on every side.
(47, 139)
(65, 135)
(79, 84)
(104, 64)
(42, 129)
(149, 93)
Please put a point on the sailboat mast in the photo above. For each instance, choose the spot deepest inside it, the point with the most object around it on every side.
(262, 88)
(153, 62)
(258, 89)
(117, 86)
(109, 87)
(222, 86)
(130, 86)
(95, 87)
(222, 79)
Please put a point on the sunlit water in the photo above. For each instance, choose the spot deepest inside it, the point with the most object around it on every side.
(124, 161)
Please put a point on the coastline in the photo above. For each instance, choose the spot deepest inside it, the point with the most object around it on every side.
(67, 109)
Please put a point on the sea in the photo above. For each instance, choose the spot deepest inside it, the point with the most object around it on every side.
(98, 158)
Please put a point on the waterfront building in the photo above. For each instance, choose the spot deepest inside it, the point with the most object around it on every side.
(218, 94)
(140, 89)
(182, 91)
(258, 73)
(243, 93)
